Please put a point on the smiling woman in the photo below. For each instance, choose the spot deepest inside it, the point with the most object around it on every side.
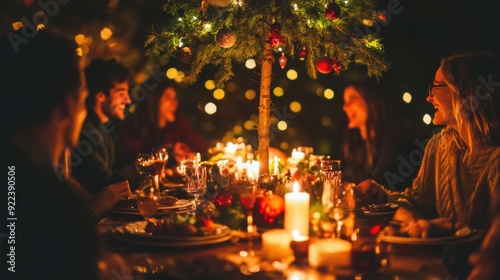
(373, 141)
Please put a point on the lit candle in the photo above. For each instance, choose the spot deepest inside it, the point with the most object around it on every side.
(297, 211)
(276, 244)
(299, 245)
(330, 253)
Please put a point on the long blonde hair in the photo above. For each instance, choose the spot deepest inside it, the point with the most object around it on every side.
(474, 82)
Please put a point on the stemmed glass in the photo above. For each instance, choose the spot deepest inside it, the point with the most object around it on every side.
(334, 197)
(247, 191)
(147, 200)
(196, 181)
(159, 158)
(340, 209)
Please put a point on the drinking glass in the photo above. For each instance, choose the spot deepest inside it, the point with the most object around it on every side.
(147, 199)
(160, 157)
(144, 164)
(196, 177)
(247, 191)
(334, 197)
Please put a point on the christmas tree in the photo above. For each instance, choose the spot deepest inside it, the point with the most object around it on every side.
(328, 36)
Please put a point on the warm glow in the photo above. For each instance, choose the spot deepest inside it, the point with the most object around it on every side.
(328, 93)
(171, 73)
(249, 125)
(282, 125)
(278, 91)
(210, 108)
(237, 129)
(106, 33)
(250, 94)
(407, 97)
(230, 86)
(284, 146)
(219, 94)
(295, 107)
(296, 234)
(292, 74)
(296, 187)
(17, 25)
(250, 63)
(427, 119)
(80, 39)
(210, 84)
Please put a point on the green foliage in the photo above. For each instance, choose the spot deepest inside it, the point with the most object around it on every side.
(302, 25)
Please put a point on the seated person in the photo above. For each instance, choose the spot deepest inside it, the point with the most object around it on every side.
(459, 178)
(94, 158)
(157, 123)
(375, 143)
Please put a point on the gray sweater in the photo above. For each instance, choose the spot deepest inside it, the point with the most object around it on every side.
(452, 185)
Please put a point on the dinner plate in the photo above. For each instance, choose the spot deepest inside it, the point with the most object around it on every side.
(135, 233)
(459, 234)
(181, 203)
(385, 209)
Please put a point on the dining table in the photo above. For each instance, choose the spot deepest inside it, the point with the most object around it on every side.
(223, 258)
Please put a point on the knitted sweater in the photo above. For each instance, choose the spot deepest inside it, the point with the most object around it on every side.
(453, 185)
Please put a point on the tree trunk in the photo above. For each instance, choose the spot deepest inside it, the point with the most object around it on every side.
(265, 108)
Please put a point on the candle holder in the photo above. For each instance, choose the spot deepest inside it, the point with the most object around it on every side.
(300, 248)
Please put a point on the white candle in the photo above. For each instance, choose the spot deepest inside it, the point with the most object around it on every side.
(330, 253)
(276, 244)
(297, 211)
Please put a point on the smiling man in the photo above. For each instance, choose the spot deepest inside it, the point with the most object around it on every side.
(93, 159)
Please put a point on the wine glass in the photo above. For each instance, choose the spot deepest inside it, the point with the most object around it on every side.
(247, 191)
(147, 199)
(196, 177)
(144, 164)
(159, 158)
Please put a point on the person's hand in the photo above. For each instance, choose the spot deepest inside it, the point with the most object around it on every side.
(368, 192)
(109, 196)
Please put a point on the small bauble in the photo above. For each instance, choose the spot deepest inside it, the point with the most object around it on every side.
(218, 3)
(185, 55)
(382, 16)
(332, 10)
(282, 61)
(225, 37)
(224, 200)
(303, 53)
(324, 65)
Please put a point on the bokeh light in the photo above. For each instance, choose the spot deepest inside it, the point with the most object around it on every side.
(407, 97)
(295, 107)
(250, 63)
(210, 84)
(278, 91)
(219, 94)
(292, 74)
(106, 33)
(250, 94)
(328, 93)
(210, 108)
(427, 119)
(171, 73)
(282, 125)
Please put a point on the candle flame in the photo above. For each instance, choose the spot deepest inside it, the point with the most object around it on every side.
(296, 234)
(296, 187)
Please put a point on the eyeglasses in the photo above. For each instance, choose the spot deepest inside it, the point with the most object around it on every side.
(432, 87)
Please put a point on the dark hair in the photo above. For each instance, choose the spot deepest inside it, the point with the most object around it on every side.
(379, 109)
(102, 75)
(145, 118)
(43, 72)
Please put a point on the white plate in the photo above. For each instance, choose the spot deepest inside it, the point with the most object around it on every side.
(135, 233)
(181, 203)
(459, 234)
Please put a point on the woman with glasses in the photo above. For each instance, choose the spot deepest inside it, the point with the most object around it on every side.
(459, 177)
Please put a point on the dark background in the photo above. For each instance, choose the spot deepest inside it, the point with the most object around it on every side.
(414, 41)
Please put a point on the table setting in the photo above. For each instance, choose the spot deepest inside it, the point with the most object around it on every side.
(300, 223)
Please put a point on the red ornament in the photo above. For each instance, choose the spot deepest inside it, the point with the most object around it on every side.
(332, 10)
(268, 208)
(224, 199)
(303, 53)
(336, 65)
(185, 55)
(225, 37)
(275, 37)
(282, 61)
(324, 65)
(382, 15)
